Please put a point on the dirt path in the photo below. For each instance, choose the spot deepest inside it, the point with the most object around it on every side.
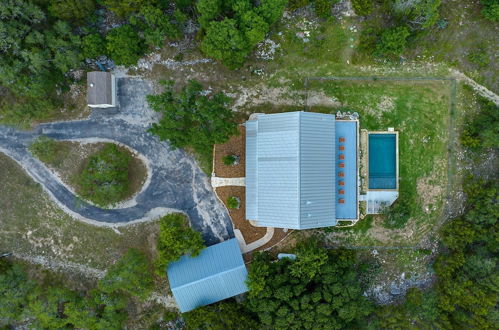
(482, 90)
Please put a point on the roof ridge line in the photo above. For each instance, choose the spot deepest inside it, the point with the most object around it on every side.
(208, 277)
(299, 168)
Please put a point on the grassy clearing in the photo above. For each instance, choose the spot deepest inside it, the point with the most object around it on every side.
(33, 225)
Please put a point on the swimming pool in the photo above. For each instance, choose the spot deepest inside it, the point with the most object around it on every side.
(382, 161)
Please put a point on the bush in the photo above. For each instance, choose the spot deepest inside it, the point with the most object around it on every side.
(93, 46)
(297, 4)
(72, 10)
(323, 8)
(482, 131)
(490, 9)
(397, 215)
(175, 239)
(124, 45)
(419, 14)
(233, 202)
(479, 56)
(229, 160)
(362, 7)
(104, 180)
(46, 149)
(392, 42)
(123, 8)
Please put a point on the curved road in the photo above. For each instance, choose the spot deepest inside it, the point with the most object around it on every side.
(176, 183)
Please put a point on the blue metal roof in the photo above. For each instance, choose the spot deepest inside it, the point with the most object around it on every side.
(348, 131)
(217, 273)
(290, 178)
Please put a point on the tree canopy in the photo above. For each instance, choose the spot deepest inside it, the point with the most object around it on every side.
(191, 118)
(175, 239)
(320, 289)
(233, 28)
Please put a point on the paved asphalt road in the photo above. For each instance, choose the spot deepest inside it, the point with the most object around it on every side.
(176, 181)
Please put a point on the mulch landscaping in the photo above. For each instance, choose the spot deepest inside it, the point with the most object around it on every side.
(250, 233)
(235, 146)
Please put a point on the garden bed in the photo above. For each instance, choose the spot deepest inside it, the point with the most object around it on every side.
(238, 216)
(235, 146)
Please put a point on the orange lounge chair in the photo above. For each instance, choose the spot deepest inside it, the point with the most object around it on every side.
(341, 174)
(342, 156)
(342, 165)
(341, 201)
(342, 147)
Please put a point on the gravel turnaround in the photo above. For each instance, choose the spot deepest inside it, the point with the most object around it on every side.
(175, 182)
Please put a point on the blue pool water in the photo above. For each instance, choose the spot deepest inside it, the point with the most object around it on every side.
(382, 162)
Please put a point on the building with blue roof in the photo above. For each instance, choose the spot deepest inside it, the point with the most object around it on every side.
(301, 170)
(217, 273)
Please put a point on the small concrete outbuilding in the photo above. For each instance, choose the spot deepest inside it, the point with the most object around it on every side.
(101, 89)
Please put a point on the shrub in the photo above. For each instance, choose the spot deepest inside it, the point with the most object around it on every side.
(490, 9)
(482, 130)
(297, 4)
(362, 7)
(397, 215)
(124, 8)
(233, 202)
(175, 239)
(479, 56)
(124, 45)
(93, 46)
(229, 160)
(45, 149)
(72, 10)
(392, 42)
(104, 180)
(417, 14)
(323, 8)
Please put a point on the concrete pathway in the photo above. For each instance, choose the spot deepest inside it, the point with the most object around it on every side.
(245, 248)
(221, 182)
(480, 89)
(175, 182)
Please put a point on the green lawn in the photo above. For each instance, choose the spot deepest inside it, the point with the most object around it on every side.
(419, 110)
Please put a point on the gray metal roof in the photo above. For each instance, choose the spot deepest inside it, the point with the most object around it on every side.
(217, 273)
(99, 88)
(290, 170)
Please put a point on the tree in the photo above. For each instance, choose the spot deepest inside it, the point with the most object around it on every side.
(233, 28)
(490, 9)
(392, 42)
(124, 45)
(417, 14)
(124, 8)
(176, 238)
(322, 290)
(155, 26)
(482, 131)
(224, 315)
(72, 10)
(225, 42)
(192, 119)
(104, 180)
(93, 46)
(15, 288)
(130, 275)
(362, 7)
(323, 8)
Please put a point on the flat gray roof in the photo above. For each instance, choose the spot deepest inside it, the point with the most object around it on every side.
(99, 88)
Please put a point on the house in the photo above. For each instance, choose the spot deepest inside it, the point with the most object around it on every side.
(302, 170)
(101, 89)
(217, 273)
